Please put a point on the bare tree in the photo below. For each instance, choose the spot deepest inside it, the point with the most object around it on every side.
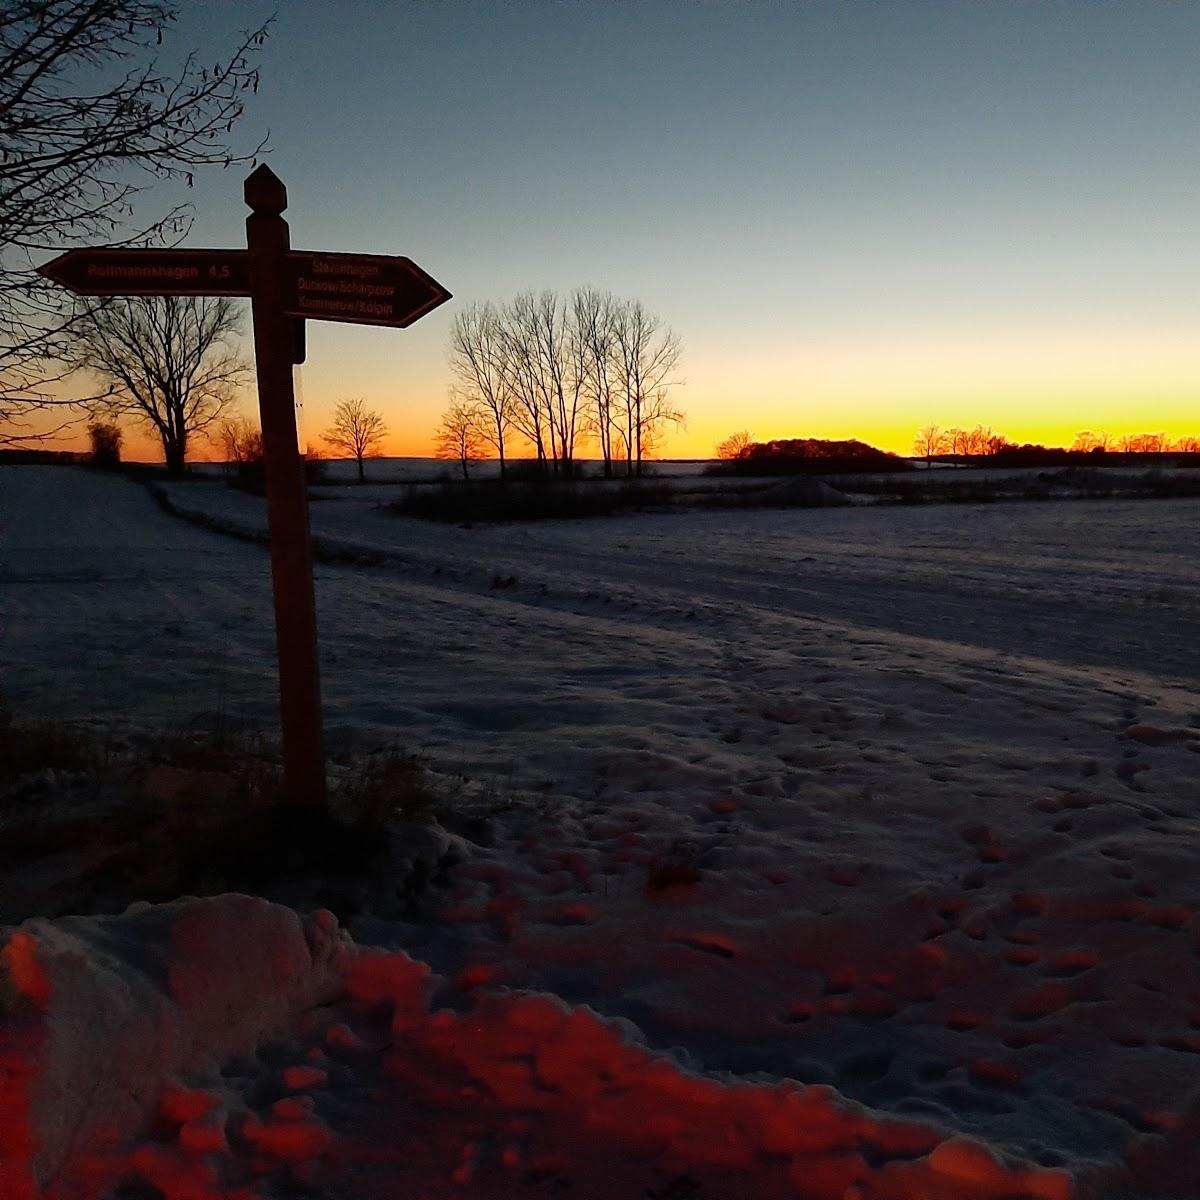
(735, 445)
(931, 440)
(459, 436)
(88, 119)
(562, 357)
(525, 372)
(989, 442)
(240, 441)
(647, 353)
(169, 361)
(357, 430)
(1088, 441)
(1188, 445)
(592, 318)
(961, 441)
(478, 350)
(545, 362)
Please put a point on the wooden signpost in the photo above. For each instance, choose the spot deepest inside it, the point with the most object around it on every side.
(285, 287)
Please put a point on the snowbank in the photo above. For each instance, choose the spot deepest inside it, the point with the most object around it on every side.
(100, 1012)
(116, 1074)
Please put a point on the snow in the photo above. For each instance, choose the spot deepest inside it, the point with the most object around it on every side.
(135, 1015)
(387, 472)
(114, 1008)
(897, 803)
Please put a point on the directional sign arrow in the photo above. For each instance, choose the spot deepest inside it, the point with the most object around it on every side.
(367, 289)
(131, 271)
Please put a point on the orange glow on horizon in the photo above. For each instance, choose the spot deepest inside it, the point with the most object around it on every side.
(1024, 379)
(699, 438)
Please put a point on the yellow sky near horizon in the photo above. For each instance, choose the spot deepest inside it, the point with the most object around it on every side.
(698, 440)
(1029, 385)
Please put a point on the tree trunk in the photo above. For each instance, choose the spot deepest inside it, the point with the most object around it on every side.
(361, 475)
(173, 455)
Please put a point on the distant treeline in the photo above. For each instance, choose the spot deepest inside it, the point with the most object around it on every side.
(935, 444)
(11, 456)
(741, 455)
(1032, 455)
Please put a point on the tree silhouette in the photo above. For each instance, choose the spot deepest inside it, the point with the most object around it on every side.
(478, 350)
(552, 369)
(88, 119)
(105, 439)
(168, 361)
(240, 441)
(735, 445)
(357, 430)
(647, 353)
(1088, 442)
(459, 436)
(593, 317)
(930, 441)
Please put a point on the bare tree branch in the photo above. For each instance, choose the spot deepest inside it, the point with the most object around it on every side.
(89, 118)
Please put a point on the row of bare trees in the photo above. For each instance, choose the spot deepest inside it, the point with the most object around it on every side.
(1136, 443)
(173, 364)
(551, 371)
(356, 431)
(542, 370)
(932, 441)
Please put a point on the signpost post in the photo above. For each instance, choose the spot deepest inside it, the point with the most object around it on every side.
(285, 287)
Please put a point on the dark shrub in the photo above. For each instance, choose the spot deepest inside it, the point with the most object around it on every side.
(492, 500)
(809, 456)
(105, 437)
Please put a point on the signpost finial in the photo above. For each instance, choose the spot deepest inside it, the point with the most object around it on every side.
(264, 191)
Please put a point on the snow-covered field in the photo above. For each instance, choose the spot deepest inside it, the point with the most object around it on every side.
(919, 785)
(391, 471)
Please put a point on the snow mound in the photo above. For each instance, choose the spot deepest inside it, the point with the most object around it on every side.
(100, 1013)
(805, 493)
(118, 1033)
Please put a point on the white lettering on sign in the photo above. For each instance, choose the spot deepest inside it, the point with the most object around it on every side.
(347, 308)
(380, 291)
(132, 271)
(332, 266)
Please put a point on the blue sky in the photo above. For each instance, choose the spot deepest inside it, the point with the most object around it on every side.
(858, 216)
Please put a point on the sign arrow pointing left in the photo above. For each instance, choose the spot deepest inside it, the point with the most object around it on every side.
(132, 271)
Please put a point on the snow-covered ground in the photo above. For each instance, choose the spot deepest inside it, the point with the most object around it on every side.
(391, 471)
(902, 801)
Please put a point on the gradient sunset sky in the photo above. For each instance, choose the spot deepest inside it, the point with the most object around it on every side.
(858, 216)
